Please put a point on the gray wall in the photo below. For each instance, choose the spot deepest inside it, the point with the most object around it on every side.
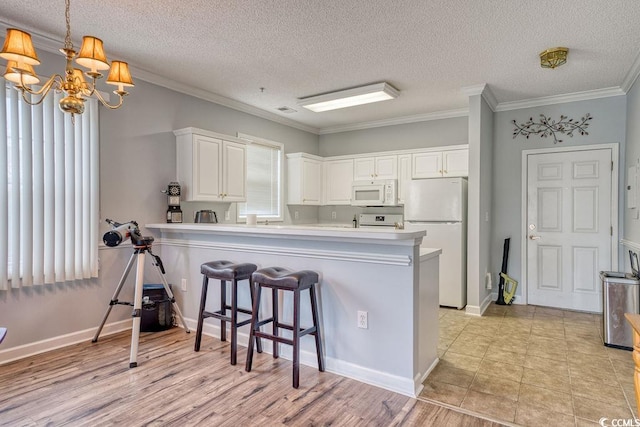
(137, 161)
(433, 133)
(607, 126)
(632, 225)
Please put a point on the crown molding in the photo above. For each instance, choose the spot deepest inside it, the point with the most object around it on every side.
(560, 99)
(632, 75)
(150, 77)
(439, 115)
(484, 90)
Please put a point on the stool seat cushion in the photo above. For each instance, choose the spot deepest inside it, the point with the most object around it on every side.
(285, 279)
(227, 270)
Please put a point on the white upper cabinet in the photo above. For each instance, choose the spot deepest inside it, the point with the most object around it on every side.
(404, 175)
(379, 167)
(435, 164)
(210, 166)
(234, 171)
(455, 163)
(304, 179)
(338, 176)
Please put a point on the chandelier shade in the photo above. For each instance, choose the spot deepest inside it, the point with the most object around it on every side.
(18, 47)
(18, 50)
(92, 54)
(119, 75)
(25, 72)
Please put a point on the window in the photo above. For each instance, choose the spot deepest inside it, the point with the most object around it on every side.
(264, 179)
(48, 192)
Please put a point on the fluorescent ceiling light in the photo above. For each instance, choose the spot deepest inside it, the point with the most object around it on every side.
(349, 97)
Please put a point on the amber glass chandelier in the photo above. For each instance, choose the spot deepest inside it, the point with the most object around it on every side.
(18, 50)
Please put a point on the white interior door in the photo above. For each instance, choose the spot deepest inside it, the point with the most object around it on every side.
(568, 227)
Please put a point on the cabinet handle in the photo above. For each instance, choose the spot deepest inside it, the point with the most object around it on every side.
(440, 171)
(445, 172)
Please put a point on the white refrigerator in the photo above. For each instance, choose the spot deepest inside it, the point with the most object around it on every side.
(439, 206)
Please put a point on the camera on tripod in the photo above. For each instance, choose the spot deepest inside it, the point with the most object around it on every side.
(123, 231)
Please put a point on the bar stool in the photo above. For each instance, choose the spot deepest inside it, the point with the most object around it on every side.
(226, 271)
(278, 278)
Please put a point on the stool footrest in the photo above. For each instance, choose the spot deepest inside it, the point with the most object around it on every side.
(273, 337)
(303, 331)
(218, 315)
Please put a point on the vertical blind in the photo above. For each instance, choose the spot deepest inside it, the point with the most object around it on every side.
(48, 192)
(263, 181)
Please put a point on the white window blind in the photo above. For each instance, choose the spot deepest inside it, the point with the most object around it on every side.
(48, 192)
(264, 180)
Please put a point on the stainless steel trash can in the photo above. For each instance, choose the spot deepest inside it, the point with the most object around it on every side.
(621, 294)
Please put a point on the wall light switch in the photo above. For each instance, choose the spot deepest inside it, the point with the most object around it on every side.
(296, 214)
(333, 215)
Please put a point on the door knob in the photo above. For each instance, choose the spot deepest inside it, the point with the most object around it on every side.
(532, 237)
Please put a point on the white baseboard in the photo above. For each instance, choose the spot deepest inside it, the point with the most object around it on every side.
(26, 350)
(401, 385)
(418, 386)
(475, 310)
(406, 386)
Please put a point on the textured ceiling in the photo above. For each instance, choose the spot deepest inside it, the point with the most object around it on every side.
(427, 49)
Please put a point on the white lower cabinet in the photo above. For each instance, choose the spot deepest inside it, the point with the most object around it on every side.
(304, 179)
(210, 166)
(338, 176)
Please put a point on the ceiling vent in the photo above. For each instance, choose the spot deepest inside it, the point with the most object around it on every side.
(287, 110)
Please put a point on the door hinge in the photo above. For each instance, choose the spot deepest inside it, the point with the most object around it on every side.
(611, 230)
(611, 165)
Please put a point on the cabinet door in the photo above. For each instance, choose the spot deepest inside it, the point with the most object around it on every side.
(386, 167)
(311, 182)
(234, 170)
(364, 169)
(427, 165)
(338, 177)
(404, 175)
(455, 163)
(207, 177)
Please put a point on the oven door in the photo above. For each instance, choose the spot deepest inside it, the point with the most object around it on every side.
(367, 194)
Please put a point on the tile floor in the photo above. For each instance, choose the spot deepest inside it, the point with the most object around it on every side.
(531, 366)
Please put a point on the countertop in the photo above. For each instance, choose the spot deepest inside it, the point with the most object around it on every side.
(312, 230)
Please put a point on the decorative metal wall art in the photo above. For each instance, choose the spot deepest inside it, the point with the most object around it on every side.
(547, 127)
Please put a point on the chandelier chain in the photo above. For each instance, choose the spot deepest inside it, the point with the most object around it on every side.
(67, 40)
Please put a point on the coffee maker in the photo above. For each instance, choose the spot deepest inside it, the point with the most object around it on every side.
(174, 213)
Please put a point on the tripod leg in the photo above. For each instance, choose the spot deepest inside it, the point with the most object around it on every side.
(114, 299)
(172, 298)
(137, 310)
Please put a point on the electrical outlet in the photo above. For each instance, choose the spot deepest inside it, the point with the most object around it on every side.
(183, 285)
(333, 215)
(363, 320)
(227, 216)
(296, 215)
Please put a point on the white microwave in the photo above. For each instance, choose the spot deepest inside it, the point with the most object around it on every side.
(383, 192)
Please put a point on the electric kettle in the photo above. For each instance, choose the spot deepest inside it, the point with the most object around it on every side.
(206, 216)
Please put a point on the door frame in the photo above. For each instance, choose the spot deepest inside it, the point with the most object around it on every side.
(614, 147)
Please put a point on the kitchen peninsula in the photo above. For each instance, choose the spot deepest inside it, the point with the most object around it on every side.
(381, 272)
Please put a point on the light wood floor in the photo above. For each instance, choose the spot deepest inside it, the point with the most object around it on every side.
(91, 384)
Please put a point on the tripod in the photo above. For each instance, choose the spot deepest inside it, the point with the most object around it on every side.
(139, 255)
